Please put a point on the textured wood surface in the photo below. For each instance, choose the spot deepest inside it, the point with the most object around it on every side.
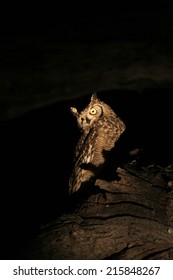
(127, 219)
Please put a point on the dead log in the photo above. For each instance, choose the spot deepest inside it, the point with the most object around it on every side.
(130, 218)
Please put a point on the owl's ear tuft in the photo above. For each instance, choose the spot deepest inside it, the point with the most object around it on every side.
(74, 112)
(94, 96)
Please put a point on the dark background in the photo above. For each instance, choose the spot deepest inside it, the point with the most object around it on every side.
(36, 147)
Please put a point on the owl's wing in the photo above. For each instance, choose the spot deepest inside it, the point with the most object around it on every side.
(80, 146)
(84, 154)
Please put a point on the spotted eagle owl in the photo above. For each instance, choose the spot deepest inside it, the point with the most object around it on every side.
(101, 128)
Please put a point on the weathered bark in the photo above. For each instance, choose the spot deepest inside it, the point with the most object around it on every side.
(130, 218)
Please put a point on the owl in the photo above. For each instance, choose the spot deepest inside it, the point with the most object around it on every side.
(100, 128)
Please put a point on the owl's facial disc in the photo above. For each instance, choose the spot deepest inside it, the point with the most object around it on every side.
(89, 116)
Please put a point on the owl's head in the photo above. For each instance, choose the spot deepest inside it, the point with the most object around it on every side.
(91, 114)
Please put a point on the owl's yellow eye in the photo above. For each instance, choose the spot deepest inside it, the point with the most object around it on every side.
(93, 111)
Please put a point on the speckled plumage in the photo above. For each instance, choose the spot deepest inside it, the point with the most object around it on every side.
(101, 128)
